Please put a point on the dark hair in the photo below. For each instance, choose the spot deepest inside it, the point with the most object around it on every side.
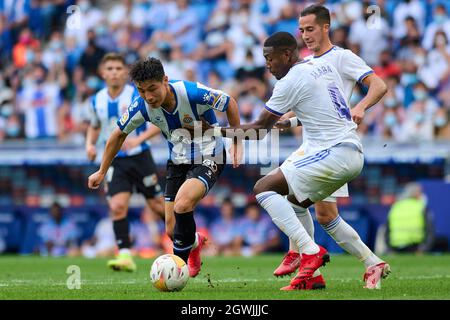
(114, 57)
(252, 205)
(147, 69)
(281, 40)
(322, 14)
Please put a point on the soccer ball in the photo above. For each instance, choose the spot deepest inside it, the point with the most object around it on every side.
(169, 273)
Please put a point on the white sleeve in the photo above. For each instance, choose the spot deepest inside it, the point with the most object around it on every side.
(93, 118)
(284, 97)
(353, 67)
(133, 118)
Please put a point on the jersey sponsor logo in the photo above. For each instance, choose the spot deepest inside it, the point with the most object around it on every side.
(187, 118)
(124, 118)
(210, 164)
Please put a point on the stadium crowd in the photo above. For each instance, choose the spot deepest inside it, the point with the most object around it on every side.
(50, 51)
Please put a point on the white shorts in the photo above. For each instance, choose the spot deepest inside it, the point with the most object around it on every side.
(319, 175)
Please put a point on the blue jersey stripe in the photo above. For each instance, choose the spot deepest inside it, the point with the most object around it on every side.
(113, 109)
(365, 75)
(40, 115)
(313, 160)
(94, 101)
(274, 112)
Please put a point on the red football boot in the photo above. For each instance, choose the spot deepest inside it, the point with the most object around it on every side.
(290, 263)
(374, 274)
(194, 260)
(313, 283)
(309, 264)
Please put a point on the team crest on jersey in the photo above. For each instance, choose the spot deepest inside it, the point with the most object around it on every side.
(124, 118)
(187, 118)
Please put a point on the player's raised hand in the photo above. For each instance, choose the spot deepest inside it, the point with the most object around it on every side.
(91, 152)
(357, 114)
(95, 180)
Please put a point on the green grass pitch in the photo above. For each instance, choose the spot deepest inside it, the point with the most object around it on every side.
(413, 277)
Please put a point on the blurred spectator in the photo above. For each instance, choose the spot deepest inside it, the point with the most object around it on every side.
(224, 231)
(369, 38)
(409, 226)
(418, 124)
(257, 232)
(183, 29)
(86, 17)
(408, 9)
(40, 101)
(147, 234)
(441, 22)
(442, 124)
(91, 57)
(436, 71)
(102, 243)
(214, 51)
(59, 235)
(387, 67)
(24, 49)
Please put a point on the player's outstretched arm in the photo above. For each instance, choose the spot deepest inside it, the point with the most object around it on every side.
(91, 139)
(377, 89)
(261, 126)
(113, 146)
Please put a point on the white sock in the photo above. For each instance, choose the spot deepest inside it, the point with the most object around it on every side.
(304, 216)
(284, 217)
(348, 239)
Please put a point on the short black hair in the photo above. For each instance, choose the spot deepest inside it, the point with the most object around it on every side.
(147, 69)
(281, 40)
(322, 13)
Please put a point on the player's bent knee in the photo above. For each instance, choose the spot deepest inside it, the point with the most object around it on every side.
(184, 205)
(260, 187)
(118, 209)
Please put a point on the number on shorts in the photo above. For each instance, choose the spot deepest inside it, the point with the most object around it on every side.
(339, 102)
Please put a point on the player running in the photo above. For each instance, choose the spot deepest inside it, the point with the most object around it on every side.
(331, 156)
(194, 165)
(314, 27)
(133, 167)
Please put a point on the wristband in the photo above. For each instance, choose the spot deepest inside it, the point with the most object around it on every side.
(294, 122)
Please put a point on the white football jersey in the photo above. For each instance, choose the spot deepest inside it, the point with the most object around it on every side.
(106, 111)
(314, 91)
(350, 67)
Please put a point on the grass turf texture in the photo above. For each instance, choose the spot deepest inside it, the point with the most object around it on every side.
(225, 278)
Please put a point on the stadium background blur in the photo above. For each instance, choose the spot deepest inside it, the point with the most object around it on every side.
(49, 53)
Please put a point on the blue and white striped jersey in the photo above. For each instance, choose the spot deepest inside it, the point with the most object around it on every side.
(192, 101)
(106, 112)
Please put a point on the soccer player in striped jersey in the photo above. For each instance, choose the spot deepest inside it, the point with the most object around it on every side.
(314, 24)
(194, 165)
(133, 169)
